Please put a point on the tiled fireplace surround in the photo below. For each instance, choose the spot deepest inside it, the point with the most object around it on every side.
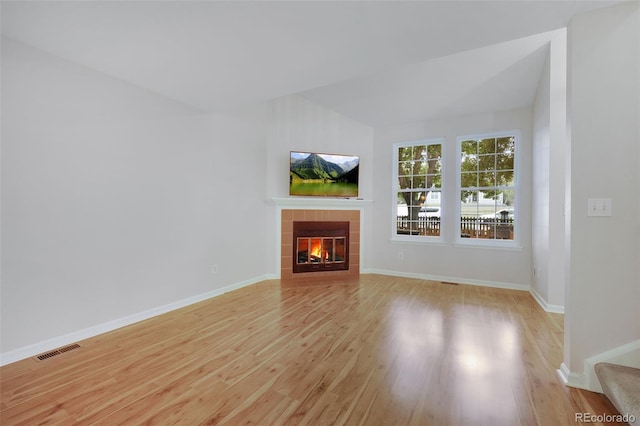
(288, 216)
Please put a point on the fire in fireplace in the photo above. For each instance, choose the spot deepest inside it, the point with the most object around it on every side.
(320, 246)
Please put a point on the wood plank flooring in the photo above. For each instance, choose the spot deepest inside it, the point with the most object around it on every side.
(374, 351)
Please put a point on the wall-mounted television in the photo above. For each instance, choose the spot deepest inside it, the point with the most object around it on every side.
(323, 175)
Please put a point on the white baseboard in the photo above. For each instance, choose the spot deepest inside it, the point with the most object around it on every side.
(568, 378)
(563, 373)
(554, 309)
(457, 280)
(56, 342)
(628, 354)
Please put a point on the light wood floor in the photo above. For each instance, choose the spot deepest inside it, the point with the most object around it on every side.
(377, 351)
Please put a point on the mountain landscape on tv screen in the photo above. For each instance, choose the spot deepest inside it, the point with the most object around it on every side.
(314, 167)
(311, 174)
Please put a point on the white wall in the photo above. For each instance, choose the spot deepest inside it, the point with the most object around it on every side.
(510, 268)
(297, 124)
(603, 292)
(540, 190)
(549, 145)
(557, 168)
(116, 201)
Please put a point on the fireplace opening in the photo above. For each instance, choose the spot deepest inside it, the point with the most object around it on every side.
(320, 246)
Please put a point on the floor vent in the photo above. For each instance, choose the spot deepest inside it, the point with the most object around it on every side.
(58, 351)
(448, 283)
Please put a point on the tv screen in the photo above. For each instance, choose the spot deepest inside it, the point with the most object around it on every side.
(323, 175)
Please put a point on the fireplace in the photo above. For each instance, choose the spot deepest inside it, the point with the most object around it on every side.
(288, 244)
(320, 246)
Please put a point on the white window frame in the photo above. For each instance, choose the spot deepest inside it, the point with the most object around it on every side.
(420, 239)
(486, 242)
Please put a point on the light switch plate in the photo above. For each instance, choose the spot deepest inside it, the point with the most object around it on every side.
(599, 207)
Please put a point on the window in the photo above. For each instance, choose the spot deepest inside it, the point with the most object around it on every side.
(418, 189)
(487, 189)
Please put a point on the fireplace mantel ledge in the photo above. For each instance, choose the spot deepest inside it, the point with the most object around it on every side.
(321, 202)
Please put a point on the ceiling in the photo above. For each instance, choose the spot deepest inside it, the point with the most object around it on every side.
(379, 62)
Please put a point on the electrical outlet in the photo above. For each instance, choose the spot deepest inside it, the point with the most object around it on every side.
(599, 207)
(401, 255)
(214, 269)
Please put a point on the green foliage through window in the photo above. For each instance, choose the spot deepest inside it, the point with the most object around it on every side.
(487, 187)
(419, 187)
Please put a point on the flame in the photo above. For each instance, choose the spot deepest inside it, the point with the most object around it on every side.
(321, 249)
(316, 247)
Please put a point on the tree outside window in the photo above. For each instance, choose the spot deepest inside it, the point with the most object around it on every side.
(419, 186)
(487, 187)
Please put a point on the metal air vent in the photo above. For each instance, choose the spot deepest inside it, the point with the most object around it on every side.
(58, 351)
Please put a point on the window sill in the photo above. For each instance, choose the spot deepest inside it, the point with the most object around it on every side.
(418, 240)
(493, 245)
